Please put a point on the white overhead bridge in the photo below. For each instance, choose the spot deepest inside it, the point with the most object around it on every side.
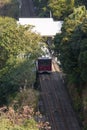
(43, 26)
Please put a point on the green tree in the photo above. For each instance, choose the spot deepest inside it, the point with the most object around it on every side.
(70, 43)
(61, 8)
(81, 2)
(19, 48)
(9, 8)
(41, 8)
(80, 35)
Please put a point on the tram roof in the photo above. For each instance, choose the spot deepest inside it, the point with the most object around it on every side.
(45, 58)
(43, 26)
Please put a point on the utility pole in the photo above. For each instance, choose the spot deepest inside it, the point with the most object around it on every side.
(50, 14)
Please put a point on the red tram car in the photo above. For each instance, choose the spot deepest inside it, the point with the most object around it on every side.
(44, 64)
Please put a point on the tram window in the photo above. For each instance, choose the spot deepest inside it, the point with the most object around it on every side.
(44, 62)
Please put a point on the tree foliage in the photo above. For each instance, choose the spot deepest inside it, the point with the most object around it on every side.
(60, 8)
(19, 48)
(71, 45)
(9, 8)
(41, 8)
(81, 2)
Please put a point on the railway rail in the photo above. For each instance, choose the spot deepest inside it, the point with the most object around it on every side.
(58, 108)
(56, 101)
(26, 9)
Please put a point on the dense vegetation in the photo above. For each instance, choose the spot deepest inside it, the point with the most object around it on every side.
(70, 46)
(71, 50)
(60, 9)
(20, 113)
(9, 8)
(19, 48)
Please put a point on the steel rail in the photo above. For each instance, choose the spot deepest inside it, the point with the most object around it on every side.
(27, 9)
(57, 103)
(67, 110)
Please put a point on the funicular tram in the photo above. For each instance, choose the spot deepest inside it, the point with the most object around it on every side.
(44, 63)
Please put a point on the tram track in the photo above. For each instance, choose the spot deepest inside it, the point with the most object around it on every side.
(57, 104)
(67, 109)
(27, 9)
(56, 101)
(48, 105)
